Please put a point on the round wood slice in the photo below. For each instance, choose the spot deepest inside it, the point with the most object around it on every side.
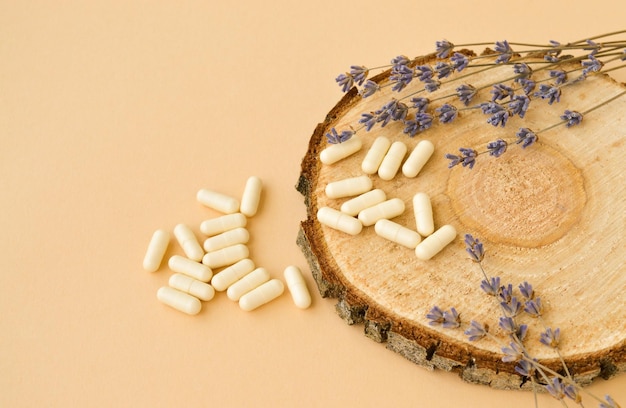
(552, 214)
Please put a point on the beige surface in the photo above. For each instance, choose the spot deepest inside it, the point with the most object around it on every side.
(113, 115)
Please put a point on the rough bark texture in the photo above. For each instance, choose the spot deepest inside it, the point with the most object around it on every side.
(553, 214)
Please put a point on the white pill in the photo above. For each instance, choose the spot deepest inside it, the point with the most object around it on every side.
(194, 287)
(418, 158)
(366, 200)
(336, 152)
(337, 220)
(397, 233)
(226, 239)
(387, 209)
(156, 249)
(392, 161)
(297, 287)
(375, 155)
(244, 285)
(251, 196)
(347, 187)
(226, 256)
(191, 268)
(435, 242)
(423, 214)
(224, 223)
(261, 295)
(218, 201)
(188, 242)
(227, 276)
(179, 300)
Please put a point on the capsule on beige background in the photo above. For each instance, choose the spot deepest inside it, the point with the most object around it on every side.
(261, 295)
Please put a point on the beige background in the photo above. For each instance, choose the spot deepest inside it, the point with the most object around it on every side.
(114, 113)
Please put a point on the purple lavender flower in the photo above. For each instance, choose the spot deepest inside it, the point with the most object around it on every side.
(460, 61)
(525, 368)
(474, 248)
(591, 65)
(501, 91)
(476, 331)
(522, 329)
(528, 85)
(526, 137)
(559, 75)
(489, 108)
(572, 117)
(421, 104)
(443, 69)
(593, 46)
(572, 393)
(500, 117)
(419, 123)
(359, 73)
(522, 70)
(431, 85)
(550, 92)
(387, 112)
(444, 47)
(610, 402)
(519, 105)
(550, 338)
(507, 324)
(492, 288)
(512, 353)
(513, 307)
(468, 157)
(369, 88)
(345, 81)
(369, 120)
(526, 289)
(497, 147)
(556, 388)
(534, 307)
(333, 137)
(506, 292)
(454, 159)
(447, 113)
(504, 50)
(401, 75)
(451, 319)
(399, 111)
(400, 60)
(424, 72)
(435, 316)
(465, 93)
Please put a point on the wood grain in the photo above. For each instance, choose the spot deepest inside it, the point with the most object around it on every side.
(553, 214)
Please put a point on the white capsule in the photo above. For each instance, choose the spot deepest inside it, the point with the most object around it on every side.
(218, 201)
(179, 300)
(423, 214)
(347, 187)
(375, 155)
(226, 239)
(224, 223)
(226, 256)
(263, 294)
(339, 221)
(251, 196)
(392, 161)
(397, 233)
(244, 285)
(194, 287)
(156, 249)
(336, 152)
(435, 242)
(191, 268)
(188, 242)
(227, 276)
(354, 206)
(297, 287)
(387, 209)
(418, 158)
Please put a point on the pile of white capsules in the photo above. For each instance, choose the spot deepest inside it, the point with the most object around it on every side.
(372, 207)
(225, 247)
